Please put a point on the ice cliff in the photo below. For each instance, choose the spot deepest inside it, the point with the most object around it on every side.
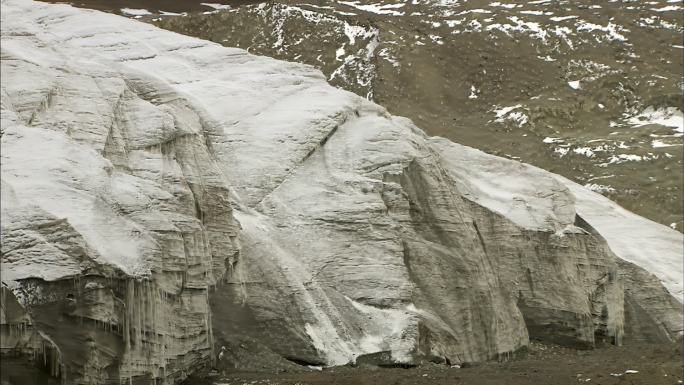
(166, 201)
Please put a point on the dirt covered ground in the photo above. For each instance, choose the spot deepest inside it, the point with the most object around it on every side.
(661, 364)
(641, 364)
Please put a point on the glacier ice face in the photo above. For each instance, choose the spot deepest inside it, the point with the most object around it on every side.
(169, 195)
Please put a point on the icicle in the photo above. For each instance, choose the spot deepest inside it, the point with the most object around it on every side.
(54, 362)
(209, 329)
(64, 375)
(127, 320)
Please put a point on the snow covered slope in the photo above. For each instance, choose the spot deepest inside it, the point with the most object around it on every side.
(171, 196)
(590, 91)
(503, 186)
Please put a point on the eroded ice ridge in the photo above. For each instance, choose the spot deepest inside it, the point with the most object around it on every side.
(168, 195)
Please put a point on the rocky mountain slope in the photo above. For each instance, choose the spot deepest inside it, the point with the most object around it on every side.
(169, 204)
(590, 91)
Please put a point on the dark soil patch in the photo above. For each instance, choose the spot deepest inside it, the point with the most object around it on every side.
(543, 365)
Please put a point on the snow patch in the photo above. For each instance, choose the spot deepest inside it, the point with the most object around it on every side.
(562, 18)
(667, 8)
(510, 113)
(135, 12)
(599, 188)
(502, 5)
(473, 92)
(660, 144)
(612, 31)
(669, 117)
(586, 151)
(381, 9)
(216, 6)
(575, 84)
(536, 13)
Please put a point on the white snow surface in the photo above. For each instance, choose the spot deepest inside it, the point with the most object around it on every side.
(135, 12)
(503, 186)
(511, 113)
(668, 117)
(652, 246)
(217, 6)
(382, 9)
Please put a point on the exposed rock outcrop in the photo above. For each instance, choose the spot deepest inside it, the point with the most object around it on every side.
(168, 201)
